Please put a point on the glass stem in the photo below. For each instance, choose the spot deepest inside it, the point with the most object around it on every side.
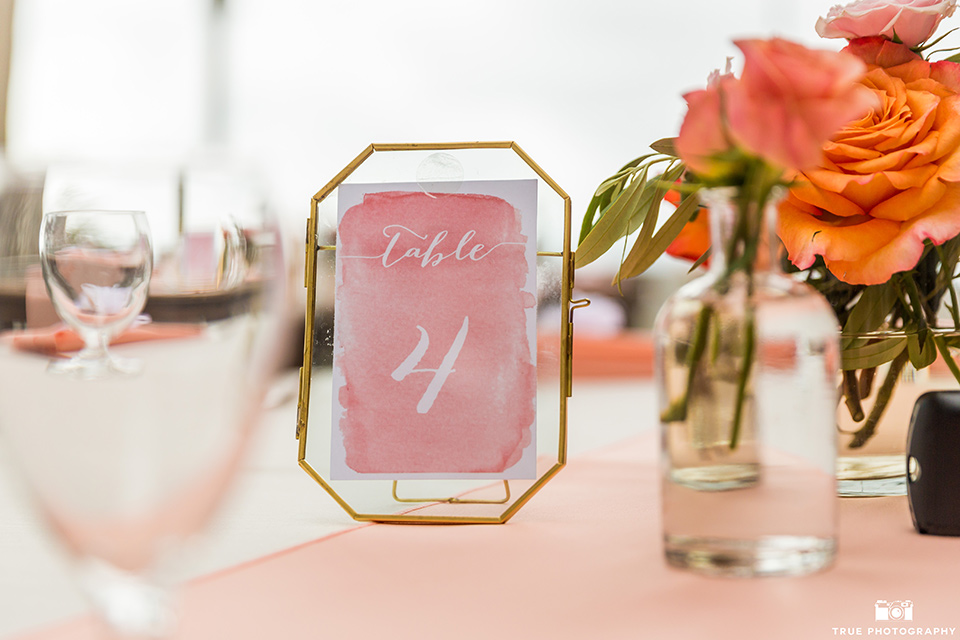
(94, 345)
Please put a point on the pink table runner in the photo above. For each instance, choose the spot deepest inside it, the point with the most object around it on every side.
(580, 561)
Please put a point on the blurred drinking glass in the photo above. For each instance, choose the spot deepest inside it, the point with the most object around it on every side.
(125, 468)
(96, 266)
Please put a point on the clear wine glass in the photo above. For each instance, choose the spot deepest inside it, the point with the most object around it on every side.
(96, 267)
(126, 469)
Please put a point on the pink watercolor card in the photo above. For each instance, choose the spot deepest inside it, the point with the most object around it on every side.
(434, 363)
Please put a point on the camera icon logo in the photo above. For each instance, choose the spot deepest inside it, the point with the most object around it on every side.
(894, 610)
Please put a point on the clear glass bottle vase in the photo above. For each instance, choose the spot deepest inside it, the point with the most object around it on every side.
(746, 368)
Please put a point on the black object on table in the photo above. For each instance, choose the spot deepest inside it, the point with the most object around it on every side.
(933, 463)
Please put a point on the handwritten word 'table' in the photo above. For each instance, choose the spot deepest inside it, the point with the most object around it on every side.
(430, 254)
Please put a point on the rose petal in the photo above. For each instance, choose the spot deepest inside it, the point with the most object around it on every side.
(842, 152)
(806, 235)
(911, 178)
(827, 200)
(938, 225)
(869, 190)
(701, 134)
(911, 202)
(914, 27)
(946, 73)
(880, 51)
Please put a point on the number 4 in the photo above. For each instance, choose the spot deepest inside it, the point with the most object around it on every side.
(440, 374)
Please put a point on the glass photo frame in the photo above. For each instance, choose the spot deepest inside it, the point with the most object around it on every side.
(438, 333)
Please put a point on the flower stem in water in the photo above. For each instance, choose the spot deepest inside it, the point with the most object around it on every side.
(743, 379)
(851, 395)
(864, 433)
(677, 411)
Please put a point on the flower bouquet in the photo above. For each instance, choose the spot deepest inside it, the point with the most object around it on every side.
(867, 143)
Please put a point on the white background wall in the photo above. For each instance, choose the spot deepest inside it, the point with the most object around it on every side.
(296, 88)
(581, 85)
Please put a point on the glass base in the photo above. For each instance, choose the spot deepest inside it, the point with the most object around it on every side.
(130, 605)
(718, 477)
(94, 369)
(867, 476)
(766, 556)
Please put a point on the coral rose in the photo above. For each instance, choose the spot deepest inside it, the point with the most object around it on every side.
(787, 103)
(889, 181)
(792, 99)
(910, 21)
(703, 142)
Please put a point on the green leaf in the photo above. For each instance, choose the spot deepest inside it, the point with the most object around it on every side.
(636, 162)
(650, 199)
(650, 219)
(873, 307)
(642, 257)
(947, 356)
(654, 192)
(928, 45)
(921, 349)
(950, 341)
(864, 354)
(954, 58)
(666, 147)
(613, 224)
(608, 190)
(701, 259)
(589, 216)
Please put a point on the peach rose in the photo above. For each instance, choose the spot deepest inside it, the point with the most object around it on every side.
(702, 140)
(792, 99)
(787, 103)
(910, 21)
(888, 181)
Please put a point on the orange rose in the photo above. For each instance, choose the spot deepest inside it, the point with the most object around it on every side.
(889, 181)
(694, 239)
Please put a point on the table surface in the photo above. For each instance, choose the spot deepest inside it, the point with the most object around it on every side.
(581, 560)
(274, 506)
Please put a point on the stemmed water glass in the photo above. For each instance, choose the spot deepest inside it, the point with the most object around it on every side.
(96, 267)
(127, 468)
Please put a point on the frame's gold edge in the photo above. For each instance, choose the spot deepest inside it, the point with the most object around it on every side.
(306, 369)
(401, 518)
(566, 293)
(529, 493)
(539, 171)
(440, 146)
(566, 336)
(326, 487)
(344, 174)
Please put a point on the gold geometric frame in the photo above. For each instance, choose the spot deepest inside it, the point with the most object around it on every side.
(432, 509)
